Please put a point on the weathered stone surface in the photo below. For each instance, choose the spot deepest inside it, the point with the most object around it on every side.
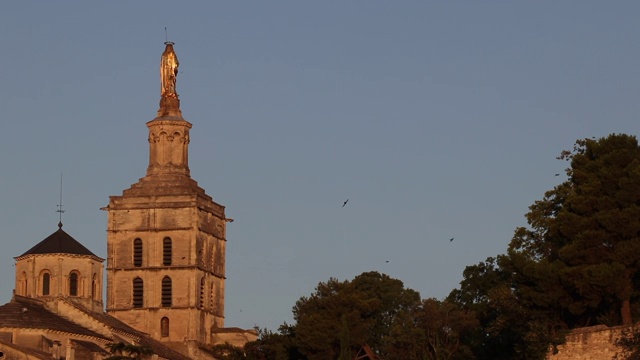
(590, 343)
(59, 257)
(167, 206)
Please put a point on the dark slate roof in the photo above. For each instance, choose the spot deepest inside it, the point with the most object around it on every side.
(31, 315)
(59, 243)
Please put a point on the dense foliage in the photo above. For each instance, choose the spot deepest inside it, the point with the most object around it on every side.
(122, 351)
(576, 264)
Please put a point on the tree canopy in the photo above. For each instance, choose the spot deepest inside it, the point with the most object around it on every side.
(576, 264)
(342, 316)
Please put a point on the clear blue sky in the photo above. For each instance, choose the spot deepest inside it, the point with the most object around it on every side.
(436, 120)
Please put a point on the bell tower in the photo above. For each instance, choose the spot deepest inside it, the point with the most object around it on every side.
(166, 237)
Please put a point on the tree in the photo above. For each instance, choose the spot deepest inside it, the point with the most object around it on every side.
(599, 220)
(445, 327)
(507, 328)
(281, 345)
(122, 351)
(578, 260)
(342, 316)
(227, 351)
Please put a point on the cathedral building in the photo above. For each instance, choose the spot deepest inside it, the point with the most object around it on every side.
(166, 242)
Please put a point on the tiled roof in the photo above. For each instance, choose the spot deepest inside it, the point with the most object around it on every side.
(31, 315)
(93, 347)
(144, 339)
(35, 353)
(161, 349)
(59, 243)
(107, 320)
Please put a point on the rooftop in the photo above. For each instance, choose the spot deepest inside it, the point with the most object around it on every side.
(59, 243)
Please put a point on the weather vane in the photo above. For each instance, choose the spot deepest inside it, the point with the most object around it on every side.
(60, 204)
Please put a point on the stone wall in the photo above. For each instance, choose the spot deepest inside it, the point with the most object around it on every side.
(591, 343)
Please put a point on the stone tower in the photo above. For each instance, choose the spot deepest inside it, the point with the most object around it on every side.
(59, 266)
(166, 237)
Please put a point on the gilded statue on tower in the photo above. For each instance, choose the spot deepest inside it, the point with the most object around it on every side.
(168, 72)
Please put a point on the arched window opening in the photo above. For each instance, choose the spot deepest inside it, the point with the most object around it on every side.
(46, 284)
(202, 295)
(219, 303)
(211, 298)
(138, 292)
(166, 251)
(166, 291)
(73, 284)
(164, 327)
(137, 253)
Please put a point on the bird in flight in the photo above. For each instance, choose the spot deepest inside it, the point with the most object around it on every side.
(345, 202)
(557, 174)
(387, 261)
(450, 240)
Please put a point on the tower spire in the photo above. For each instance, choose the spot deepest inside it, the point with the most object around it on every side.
(169, 101)
(169, 131)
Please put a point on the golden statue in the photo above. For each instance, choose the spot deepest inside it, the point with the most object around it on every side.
(168, 71)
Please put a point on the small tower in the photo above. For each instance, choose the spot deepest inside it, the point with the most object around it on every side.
(59, 266)
(166, 236)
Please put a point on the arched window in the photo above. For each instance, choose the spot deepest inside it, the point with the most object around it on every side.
(166, 251)
(202, 287)
(94, 286)
(164, 327)
(166, 292)
(46, 283)
(138, 292)
(137, 252)
(73, 284)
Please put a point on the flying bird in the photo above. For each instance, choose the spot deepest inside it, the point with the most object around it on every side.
(345, 202)
(387, 261)
(450, 240)
(557, 174)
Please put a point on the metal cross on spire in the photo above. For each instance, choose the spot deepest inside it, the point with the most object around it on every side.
(60, 210)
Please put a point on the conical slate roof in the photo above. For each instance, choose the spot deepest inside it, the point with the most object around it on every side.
(59, 243)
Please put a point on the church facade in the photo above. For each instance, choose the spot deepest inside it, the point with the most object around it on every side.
(166, 243)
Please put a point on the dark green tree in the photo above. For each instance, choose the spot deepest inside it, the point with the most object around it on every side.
(281, 345)
(575, 265)
(361, 311)
(598, 224)
(227, 351)
(445, 328)
(122, 351)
